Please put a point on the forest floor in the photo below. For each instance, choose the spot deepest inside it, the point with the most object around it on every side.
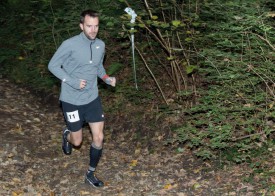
(32, 162)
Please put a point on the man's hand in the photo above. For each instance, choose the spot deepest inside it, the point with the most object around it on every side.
(111, 81)
(82, 83)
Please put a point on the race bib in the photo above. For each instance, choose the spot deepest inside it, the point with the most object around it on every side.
(73, 116)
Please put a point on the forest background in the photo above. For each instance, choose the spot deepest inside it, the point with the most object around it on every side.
(204, 69)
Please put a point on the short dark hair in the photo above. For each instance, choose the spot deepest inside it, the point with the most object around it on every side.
(91, 13)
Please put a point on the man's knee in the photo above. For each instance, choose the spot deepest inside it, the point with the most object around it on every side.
(76, 142)
(97, 131)
(98, 139)
(76, 138)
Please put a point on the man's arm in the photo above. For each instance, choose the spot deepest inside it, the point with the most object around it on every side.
(58, 59)
(102, 74)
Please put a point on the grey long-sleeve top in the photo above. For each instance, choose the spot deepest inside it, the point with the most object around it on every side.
(79, 58)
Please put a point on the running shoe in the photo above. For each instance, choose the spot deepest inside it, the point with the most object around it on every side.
(91, 179)
(66, 146)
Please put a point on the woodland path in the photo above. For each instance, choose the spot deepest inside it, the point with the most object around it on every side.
(32, 163)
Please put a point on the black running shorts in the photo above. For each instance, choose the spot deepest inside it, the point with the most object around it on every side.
(76, 115)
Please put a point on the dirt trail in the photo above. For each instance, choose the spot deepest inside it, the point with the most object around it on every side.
(32, 163)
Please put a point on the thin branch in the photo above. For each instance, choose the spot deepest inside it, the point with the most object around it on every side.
(53, 25)
(271, 91)
(265, 40)
(248, 136)
(151, 73)
(151, 16)
(153, 76)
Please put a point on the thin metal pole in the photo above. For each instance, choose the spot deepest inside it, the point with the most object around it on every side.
(134, 62)
(133, 18)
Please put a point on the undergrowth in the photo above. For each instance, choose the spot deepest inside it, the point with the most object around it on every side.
(236, 111)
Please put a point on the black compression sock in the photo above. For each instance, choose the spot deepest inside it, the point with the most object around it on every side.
(95, 154)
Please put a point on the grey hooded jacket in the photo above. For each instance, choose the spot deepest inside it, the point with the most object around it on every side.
(79, 58)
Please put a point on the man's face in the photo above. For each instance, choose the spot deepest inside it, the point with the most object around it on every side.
(90, 26)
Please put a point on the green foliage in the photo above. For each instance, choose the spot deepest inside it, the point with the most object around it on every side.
(166, 36)
(237, 61)
(114, 68)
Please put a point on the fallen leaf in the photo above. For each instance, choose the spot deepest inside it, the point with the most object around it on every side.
(84, 193)
(134, 163)
(137, 151)
(271, 15)
(17, 193)
(36, 120)
(10, 155)
(197, 170)
(18, 128)
(181, 194)
(65, 165)
(65, 181)
(168, 186)
(248, 105)
(16, 180)
(196, 186)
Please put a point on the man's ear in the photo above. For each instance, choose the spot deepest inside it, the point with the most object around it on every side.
(81, 26)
